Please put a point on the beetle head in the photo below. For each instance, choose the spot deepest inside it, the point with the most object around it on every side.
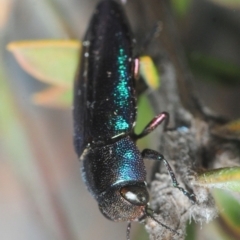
(124, 202)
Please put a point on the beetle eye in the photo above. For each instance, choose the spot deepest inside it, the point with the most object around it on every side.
(136, 195)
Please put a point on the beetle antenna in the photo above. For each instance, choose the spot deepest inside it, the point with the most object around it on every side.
(128, 230)
(149, 213)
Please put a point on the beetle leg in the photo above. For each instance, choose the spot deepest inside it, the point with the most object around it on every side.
(128, 230)
(151, 154)
(153, 124)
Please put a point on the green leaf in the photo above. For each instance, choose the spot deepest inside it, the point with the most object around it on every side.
(227, 3)
(149, 72)
(51, 61)
(224, 178)
(55, 97)
(191, 231)
(144, 116)
(229, 210)
(230, 130)
(181, 7)
(213, 68)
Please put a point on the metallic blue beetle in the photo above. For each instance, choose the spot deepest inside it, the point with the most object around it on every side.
(105, 115)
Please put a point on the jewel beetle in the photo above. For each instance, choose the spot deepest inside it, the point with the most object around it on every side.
(104, 116)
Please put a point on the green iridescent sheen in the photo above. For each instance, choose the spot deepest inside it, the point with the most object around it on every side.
(120, 123)
(121, 92)
(129, 155)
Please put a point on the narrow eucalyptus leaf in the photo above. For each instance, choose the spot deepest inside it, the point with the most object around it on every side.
(229, 210)
(51, 61)
(149, 72)
(55, 97)
(230, 130)
(224, 178)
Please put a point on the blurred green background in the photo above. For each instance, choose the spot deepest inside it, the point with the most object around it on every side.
(42, 195)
